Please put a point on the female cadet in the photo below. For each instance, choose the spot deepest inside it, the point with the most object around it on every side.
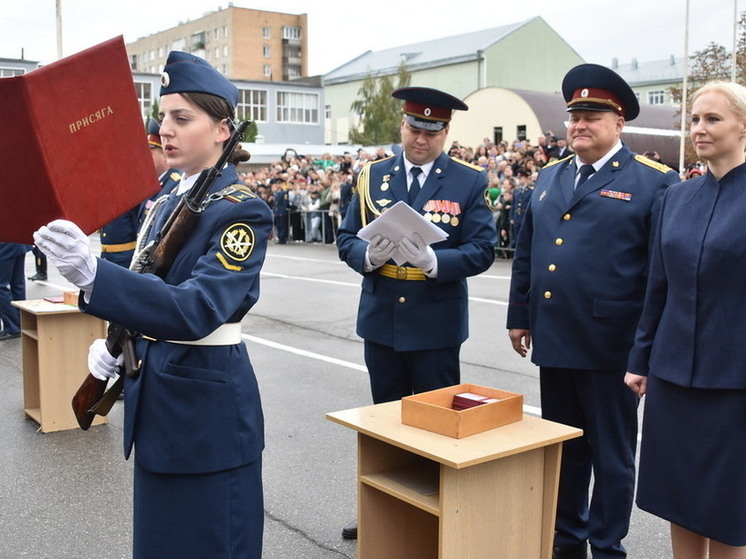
(689, 355)
(193, 412)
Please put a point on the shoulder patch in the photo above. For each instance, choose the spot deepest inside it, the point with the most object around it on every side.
(557, 161)
(467, 164)
(654, 164)
(236, 244)
(379, 160)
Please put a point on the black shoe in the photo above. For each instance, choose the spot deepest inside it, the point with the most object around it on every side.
(349, 532)
(579, 551)
(38, 277)
(8, 336)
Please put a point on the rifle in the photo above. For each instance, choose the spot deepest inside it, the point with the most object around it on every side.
(92, 398)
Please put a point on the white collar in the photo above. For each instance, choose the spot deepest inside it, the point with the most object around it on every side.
(601, 162)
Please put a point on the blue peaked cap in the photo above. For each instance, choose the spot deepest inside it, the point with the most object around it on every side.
(185, 73)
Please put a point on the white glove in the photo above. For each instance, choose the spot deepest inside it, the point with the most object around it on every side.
(417, 252)
(68, 248)
(380, 249)
(101, 364)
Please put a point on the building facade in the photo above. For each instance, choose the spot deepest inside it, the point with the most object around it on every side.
(10, 67)
(243, 44)
(527, 55)
(285, 112)
(652, 80)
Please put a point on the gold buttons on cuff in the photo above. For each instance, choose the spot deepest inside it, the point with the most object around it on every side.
(552, 268)
(567, 217)
(402, 299)
(547, 295)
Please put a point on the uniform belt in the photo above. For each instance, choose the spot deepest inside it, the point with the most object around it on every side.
(402, 272)
(227, 334)
(121, 247)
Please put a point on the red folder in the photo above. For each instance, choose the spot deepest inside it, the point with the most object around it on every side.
(73, 144)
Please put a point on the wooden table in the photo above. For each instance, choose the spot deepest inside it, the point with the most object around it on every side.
(423, 495)
(54, 344)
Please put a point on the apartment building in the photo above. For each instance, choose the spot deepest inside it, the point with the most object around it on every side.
(243, 44)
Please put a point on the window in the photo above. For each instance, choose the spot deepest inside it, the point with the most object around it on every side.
(252, 104)
(520, 131)
(656, 97)
(327, 112)
(217, 53)
(266, 51)
(267, 70)
(266, 34)
(144, 92)
(10, 72)
(291, 32)
(225, 50)
(298, 108)
(225, 31)
(497, 134)
(179, 44)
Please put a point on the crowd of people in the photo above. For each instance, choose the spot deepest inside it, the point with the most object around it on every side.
(309, 194)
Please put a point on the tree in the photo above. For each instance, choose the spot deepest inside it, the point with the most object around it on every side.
(714, 62)
(380, 114)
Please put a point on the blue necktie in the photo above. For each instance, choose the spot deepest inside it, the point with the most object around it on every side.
(585, 172)
(414, 188)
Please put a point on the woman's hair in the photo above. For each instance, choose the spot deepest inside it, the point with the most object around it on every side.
(735, 93)
(218, 109)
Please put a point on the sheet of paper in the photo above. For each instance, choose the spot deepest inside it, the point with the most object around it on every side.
(400, 220)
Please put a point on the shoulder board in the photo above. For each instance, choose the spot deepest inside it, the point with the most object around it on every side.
(558, 161)
(467, 164)
(654, 164)
(380, 160)
(236, 193)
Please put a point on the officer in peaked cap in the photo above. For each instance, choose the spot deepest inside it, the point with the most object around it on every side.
(576, 295)
(413, 317)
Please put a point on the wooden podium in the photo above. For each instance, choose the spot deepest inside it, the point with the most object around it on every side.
(423, 495)
(54, 343)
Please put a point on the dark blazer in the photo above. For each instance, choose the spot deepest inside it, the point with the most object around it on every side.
(417, 315)
(693, 327)
(581, 261)
(193, 409)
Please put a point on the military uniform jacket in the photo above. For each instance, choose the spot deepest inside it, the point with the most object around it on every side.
(581, 261)
(193, 409)
(419, 315)
(693, 325)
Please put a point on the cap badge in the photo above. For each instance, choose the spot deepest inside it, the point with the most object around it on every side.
(584, 93)
(428, 111)
(165, 79)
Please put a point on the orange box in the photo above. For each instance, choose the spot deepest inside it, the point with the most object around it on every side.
(432, 411)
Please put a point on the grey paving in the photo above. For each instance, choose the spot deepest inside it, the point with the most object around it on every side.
(67, 495)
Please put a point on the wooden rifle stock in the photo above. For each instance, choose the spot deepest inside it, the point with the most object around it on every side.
(92, 399)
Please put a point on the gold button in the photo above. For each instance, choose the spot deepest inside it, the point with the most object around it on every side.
(547, 295)
(558, 241)
(566, 217)
(402, 299)
(552, 268)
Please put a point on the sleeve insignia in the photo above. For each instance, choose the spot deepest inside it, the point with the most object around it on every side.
(236, 243)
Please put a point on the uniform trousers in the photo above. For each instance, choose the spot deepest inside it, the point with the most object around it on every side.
(218, 515)
(599, 403)
(396, 374)
(12, 288)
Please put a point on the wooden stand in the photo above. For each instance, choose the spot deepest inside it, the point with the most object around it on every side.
(423, 495)
(54, 343)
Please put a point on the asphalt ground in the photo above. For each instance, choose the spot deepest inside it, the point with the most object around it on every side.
(67, 495)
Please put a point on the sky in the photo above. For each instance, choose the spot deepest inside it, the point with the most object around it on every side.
(598, 30)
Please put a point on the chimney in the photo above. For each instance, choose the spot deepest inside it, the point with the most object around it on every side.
(634, 64)
(614, 63)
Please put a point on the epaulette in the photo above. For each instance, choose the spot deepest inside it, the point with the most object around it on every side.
(234, 193)
(380, 160)
(467, 164)
(654, 164)
(558, 161)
